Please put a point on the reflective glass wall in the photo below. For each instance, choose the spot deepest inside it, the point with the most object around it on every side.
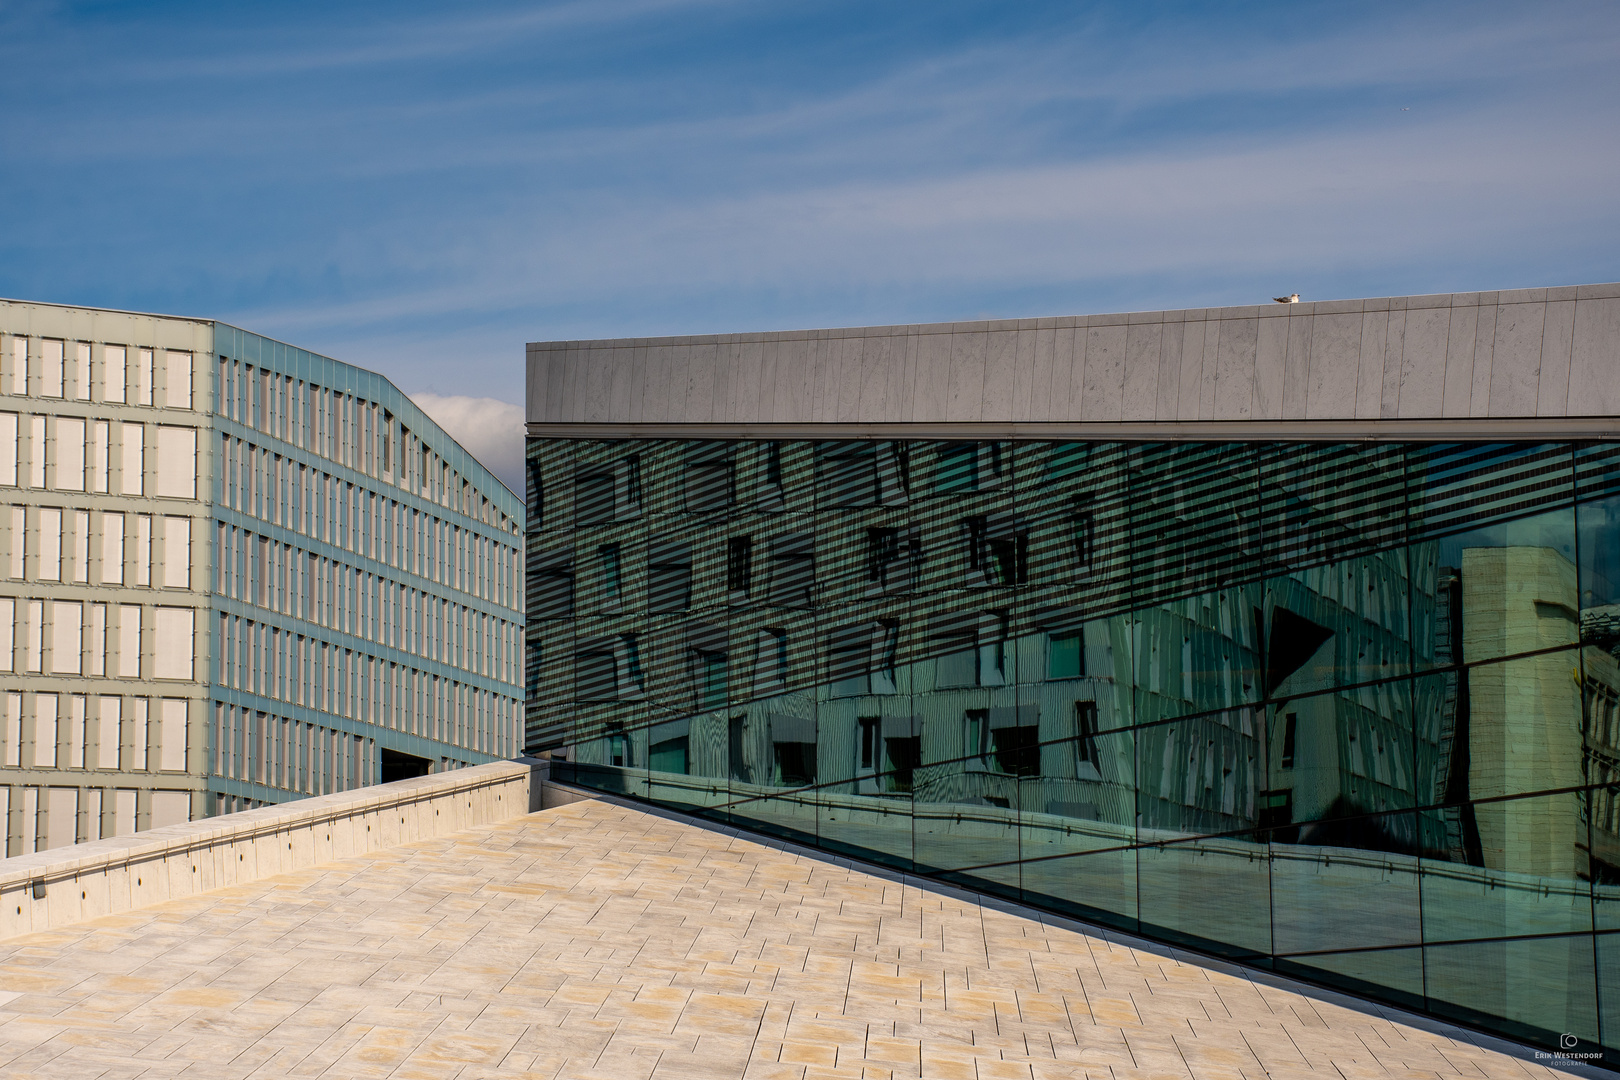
(1344, 711)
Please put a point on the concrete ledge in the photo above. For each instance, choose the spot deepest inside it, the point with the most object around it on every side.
(67, 885)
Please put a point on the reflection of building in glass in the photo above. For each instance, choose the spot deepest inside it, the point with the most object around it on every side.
(232, 573)
(1321, 696)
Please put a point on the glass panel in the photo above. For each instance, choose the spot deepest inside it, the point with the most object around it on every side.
(1393, 974)
(1541, 987)
(870, 826)
(1340, 886)
(1197, 654)
(1338, 624)
(1214, 892)
(1100, 886)
(1518, 870)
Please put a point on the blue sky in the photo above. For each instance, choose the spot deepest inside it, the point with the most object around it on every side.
(421, 188)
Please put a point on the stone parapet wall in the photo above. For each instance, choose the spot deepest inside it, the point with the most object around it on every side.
(56, 888)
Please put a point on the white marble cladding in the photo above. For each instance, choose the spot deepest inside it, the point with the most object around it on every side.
(1526, 353)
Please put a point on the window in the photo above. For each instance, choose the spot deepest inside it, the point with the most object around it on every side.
(736, 740)
(551, 584)
(793, 570)
(1290, 730)
(710, 672)
(956, 468)
(607, 557)
(669, 576)
(891, 557)
(593, 498)
(1065, 654)
(708, 481)
(770, 483)
(1082, 535)
(869, 727)
(739, 567)
(770, 661)
(1085, 726)
(997, 550)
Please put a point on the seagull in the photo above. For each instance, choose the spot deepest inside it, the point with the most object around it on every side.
(1291, 298)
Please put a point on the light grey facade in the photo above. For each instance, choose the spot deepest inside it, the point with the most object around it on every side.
(234, 573)
(1442, 363)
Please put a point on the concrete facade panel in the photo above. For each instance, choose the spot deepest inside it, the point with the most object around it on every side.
(1335, 366)
(1270, 363)
(1104, 380)
(1144, 343)
(1594, 367)
(1389, 399)
(1408, 358)
(1552, 390)
(1370, 379)
(1235, 358)
(1516, 359)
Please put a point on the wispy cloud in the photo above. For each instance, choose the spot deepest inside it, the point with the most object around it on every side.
(423, 188)
(491, 430)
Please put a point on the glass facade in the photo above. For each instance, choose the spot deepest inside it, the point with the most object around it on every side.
(1346, 711)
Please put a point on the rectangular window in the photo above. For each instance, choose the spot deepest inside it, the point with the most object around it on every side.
(45, 730)
(1065, 655)
(100, 456)
(739, 567)
(113, 373)
(81, 372)
(1085, 726)
(38, 451)
(143, 549)
(19, 365)
(50, 544)
(51, 384)
(129, 641)
(133, 473)
(1290, 732)
(10, 449)
(869, 727)
(144, 379)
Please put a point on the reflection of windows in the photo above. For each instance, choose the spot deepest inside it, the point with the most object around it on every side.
(631, 467)
(619, 751)
(770, 661)
(607, 557)
(793, 570)
(708, 482)
(1290, 731)
(1065, 654)
(593, 498)
(770, 480)
(736, 739)
(868, 742)
(1085, 728)
(1082, 532)
(667, 747)
(955, 643)
(861, 658)
(793, 748)
(863, 473)
(739, 567)
(892, 555)
(1004, 740)
(969, 466)
(710, 670)
(536, 497)
(551, 584)
(902, 754)
(997, 550)
(669, 576)
(608, 669)
(709, 664)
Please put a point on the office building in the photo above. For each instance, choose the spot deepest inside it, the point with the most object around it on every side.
(232, 573)
(1286, 633)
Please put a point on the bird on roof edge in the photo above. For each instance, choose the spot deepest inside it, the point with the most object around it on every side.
(1291, 298)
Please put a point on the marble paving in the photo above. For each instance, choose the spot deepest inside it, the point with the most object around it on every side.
(596, 941)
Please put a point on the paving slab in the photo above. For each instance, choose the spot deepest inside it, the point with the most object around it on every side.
(598, 940)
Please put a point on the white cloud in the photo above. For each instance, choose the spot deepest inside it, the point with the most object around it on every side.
(491, 430)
